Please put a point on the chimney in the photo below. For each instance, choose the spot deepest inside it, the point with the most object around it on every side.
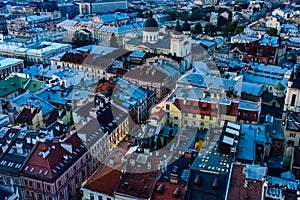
(112, 161)
(149, 166)
(19, 147)
(28, 140)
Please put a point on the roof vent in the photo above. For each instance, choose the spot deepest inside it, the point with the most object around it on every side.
(216, 183)
(176, 193)
(160, 188)
(198, 180)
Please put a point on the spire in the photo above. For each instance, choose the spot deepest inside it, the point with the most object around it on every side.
(150, 14)
(178, 27)
(292, 76)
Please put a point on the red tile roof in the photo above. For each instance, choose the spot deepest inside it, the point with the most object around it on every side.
(71, 57)
(97, 61)
(104, 181)
(51, 165)
(239, 190)
(169, 189)
(206, 108)
(146, 73)
(26, 115)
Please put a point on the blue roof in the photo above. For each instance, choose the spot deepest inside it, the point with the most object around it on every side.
(108, 18)
(5, 192)
(260, 78)
(34, 100)
(137, 54)
(252, 88)
(65, 73)
(250, 136)
(54, 94)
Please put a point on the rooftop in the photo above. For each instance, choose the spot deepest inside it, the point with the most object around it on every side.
(214, 83)
(243, 187)
(209, 175)
(33, 100)
(251, 135)
(16, 82)
(50, 159)
(7, 62)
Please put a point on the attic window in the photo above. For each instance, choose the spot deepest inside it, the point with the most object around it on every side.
(160, 188)
(216, 183)
(176, 193)
(197, 180)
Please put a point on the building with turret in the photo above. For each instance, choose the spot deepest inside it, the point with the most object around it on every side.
(292, 100)
(175, 42)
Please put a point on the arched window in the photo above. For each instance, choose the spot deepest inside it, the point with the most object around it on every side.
(293, 100)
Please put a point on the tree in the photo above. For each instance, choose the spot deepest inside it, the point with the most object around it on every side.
(198, 28)
(272, 32)
(222, 21)
(114, 41)
(210, 28)
(82, 38)
(239, 29)
(230, 28)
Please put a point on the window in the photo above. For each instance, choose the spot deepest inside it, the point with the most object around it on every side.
(167, 107)
(40, 196)
(92, 197)
(293, 135)
(293, 100)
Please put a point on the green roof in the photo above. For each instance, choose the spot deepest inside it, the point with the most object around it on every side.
(14, 83)
(34, 86)
(279, 87)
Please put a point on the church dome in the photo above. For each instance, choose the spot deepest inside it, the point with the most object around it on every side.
(178, 27)
(150, 24)
(47, 6)
(186, 26)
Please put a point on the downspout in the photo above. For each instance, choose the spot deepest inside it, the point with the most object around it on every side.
(228, 182)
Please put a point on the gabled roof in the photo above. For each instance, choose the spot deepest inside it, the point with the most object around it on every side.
(240, 187)
(104, 181)
(48, 159)
(26, 115)
(15, 83)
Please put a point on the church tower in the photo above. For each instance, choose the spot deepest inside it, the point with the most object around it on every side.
(150, 30)
(292, 99)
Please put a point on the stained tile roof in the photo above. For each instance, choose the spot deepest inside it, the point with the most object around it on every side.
(50, 159)
(104, 181)
(240, 187)
(26, 115)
